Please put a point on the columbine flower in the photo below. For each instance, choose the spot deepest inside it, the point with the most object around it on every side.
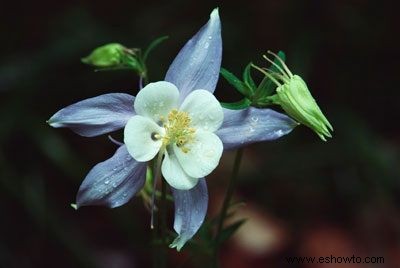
(178, 117)
(295, 98)
(181, 131)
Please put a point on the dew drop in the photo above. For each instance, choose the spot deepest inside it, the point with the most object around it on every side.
(206, 45)
(107, 182)
(210, 37)
(254, 119)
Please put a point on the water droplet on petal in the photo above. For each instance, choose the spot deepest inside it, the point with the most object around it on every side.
(106, 182)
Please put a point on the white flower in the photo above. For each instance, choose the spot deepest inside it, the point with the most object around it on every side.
(181, 130)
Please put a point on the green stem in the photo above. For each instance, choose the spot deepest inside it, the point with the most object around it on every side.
(163, 223)
(225, 205)
(161, 230)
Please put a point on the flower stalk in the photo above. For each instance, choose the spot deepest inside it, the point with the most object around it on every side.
(226, 203)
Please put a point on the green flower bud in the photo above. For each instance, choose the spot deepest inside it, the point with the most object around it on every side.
(293, 96)
(113, 55)
(106, 56)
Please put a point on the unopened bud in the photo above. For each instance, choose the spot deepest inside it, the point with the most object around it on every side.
(293, 96)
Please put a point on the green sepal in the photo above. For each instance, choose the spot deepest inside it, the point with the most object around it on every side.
(247, 79)
(267, 87)
(239, 105)
(227, 232)
(236, 83)
(155, 43)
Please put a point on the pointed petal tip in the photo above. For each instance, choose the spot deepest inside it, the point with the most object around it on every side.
(215, 13)
(51, 122)
(178, 243)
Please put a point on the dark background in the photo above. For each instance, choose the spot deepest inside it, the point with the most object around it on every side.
(303, 197)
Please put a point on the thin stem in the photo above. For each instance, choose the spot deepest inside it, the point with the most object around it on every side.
(163, 223)
(160, 232)
(227, 200)
(157, 175)
(140, 82)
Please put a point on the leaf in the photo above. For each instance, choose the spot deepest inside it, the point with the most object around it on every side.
(227, 232)
(155, 43)
(236, 82)
(239, 105)
(248, 80)
(267, 87)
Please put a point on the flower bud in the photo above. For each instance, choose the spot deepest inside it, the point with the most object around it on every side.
(297, 101)
(293, 96)
(113, 55)
(105, 56)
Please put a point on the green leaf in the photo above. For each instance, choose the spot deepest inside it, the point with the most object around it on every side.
(229, 231)
(239, 105)
(155, 43)
(236, 82)
(267, 87)
(248, 80)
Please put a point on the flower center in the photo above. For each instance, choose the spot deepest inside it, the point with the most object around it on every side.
(178, 130)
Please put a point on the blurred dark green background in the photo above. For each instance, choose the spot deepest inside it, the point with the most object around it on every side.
(306, 197)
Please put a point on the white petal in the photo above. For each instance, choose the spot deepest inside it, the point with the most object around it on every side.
(156, 100)
(204, 110)
(138, 138)
(175, 175)
(203, 155)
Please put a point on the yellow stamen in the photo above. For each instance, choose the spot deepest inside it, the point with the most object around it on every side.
(178, 129)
